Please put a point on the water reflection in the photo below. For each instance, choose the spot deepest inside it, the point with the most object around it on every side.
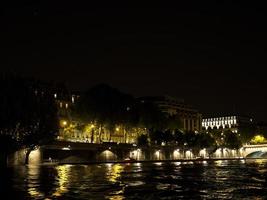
(114, 172)
(177, 180)
(63, 172)
(33, 182)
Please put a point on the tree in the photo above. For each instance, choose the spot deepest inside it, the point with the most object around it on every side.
(174, 122)
(198, 141)
(258, 139)
(142, 140)
(156, 137)
(206, 140)
(168, 137)
(149, 116)
(247, 133)
(179, 137)
(104, 106)
(261, 129)
(232, 140)
(7, 145)
(217, 134)
(28, 112)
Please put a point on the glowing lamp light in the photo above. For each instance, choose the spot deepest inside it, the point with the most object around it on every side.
(63, 123)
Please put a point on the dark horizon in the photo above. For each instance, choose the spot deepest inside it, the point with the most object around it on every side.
(210, 54)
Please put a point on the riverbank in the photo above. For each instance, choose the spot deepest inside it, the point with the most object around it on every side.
(155, 161)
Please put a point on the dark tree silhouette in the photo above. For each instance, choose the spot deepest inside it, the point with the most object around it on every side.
(142, 140)
(232, 140)
(156, 137)
(247, 133)
(105, 106)
(28, 113)
(179, 138)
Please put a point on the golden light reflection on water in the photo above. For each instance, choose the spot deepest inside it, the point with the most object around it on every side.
(63, 180)
(218, 162)
(260, 161)
(158, 163)
(138, 164)
(205, 163)
(32, 179)
(118, 181)
(119, 197)
(221, 162)
(114, 172)
(33, 192)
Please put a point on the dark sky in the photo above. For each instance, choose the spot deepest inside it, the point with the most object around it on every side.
(209, 53)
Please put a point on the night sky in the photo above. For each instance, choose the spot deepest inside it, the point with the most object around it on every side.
(210, 54)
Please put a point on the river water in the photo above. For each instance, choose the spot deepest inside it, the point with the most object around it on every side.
(174, 180)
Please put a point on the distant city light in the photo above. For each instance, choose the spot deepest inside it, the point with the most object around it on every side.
(66, 148)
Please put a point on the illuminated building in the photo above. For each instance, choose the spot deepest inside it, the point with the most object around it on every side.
(232, 123)
(189, 116)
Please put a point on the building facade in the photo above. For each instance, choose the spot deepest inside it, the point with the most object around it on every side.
(232, 123)
(190, 117)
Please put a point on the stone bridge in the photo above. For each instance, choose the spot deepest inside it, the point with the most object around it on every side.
(74, 152)
(254, 151)
(66, 152)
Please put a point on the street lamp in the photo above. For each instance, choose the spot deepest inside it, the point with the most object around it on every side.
(63, 123)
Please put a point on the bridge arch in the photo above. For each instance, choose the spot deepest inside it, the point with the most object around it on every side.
(257, 154)
(255, 151)
(106, 155)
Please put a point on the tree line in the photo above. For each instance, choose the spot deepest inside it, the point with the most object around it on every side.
(108, 108)
(29, 117)
(28, 114)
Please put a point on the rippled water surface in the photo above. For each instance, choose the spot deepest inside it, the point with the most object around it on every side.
(204, 180)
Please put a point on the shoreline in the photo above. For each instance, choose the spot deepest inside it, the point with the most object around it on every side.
(153, 161)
